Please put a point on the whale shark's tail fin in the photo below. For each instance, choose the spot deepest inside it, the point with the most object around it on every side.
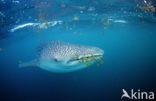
(29, 64)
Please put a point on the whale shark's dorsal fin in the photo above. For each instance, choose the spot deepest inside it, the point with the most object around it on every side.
(29, 64)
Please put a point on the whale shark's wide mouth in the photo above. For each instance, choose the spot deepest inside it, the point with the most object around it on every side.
(79, 58)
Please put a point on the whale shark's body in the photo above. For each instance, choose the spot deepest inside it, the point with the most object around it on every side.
(59, 56)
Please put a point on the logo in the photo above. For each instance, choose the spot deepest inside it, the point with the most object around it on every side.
(137, 95)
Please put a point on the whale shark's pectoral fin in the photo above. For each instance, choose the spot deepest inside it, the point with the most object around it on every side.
(32, 63)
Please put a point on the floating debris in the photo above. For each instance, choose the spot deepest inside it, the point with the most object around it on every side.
(2, 20)
(76, 55)
(38, 31)
(1, 49)
(146, 6)
(76, 18)
(97, 65)
(20, 62)
(89, 60)
(44, 25)
(105, 23)
(63, 5)
(89, 64)
(141, 18)
(75, 32)
(91, 9)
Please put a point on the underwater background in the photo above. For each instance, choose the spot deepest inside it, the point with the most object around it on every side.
(124, 29)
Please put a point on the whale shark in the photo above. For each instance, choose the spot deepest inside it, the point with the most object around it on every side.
(59, 56)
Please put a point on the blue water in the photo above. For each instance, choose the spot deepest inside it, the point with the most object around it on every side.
(126, 33)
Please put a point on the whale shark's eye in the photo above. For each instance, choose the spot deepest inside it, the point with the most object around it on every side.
(55, 60)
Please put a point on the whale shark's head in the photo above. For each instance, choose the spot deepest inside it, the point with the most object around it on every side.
(58, 56)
